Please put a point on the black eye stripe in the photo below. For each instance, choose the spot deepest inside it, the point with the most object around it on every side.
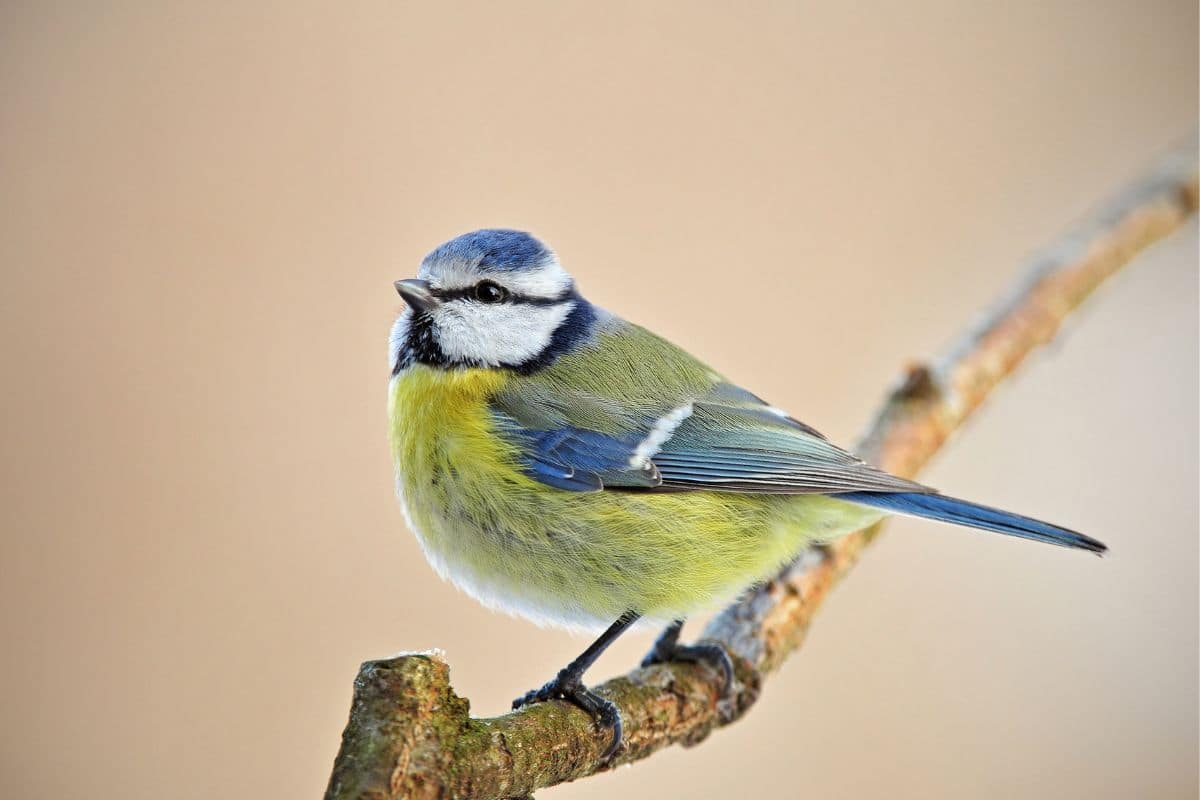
(421, 346)
(468, 293)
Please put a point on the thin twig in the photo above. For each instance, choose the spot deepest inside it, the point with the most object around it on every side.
(411, 736)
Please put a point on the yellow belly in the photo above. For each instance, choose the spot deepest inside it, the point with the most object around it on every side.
(577, 559)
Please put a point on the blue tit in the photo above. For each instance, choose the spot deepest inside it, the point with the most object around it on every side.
(558, 462)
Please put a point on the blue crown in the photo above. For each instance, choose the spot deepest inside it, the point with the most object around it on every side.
(495, 249)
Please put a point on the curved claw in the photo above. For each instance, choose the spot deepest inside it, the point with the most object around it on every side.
(605, 712)
(710, 653)
(609, 716)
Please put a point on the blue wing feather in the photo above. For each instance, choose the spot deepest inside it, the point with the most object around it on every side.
(580, 460)
(562, 477)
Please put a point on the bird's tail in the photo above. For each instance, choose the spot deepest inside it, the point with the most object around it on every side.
(973, 515)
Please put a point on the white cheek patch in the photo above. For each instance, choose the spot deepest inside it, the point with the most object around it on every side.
(499, 333)
(547, 280)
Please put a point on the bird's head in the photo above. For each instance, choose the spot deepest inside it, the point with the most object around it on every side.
(490, 298)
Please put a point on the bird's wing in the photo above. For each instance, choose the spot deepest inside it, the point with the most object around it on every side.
(629, 410)
(748, 446)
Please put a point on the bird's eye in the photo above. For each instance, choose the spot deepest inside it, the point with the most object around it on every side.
(488, 292)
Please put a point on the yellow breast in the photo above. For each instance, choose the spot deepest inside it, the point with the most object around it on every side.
(573, 558)
(434, 408)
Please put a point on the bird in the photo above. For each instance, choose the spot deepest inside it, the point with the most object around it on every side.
(562, 464)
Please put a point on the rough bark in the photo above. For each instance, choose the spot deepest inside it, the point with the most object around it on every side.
(411, 736)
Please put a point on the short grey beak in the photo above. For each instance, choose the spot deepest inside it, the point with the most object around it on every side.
(417, 294)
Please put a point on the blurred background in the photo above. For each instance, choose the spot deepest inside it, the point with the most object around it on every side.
(202, 212)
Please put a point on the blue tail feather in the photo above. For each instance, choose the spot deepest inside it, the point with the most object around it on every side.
(960, 512)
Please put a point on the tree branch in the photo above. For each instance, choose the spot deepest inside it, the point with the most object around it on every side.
(411, 736)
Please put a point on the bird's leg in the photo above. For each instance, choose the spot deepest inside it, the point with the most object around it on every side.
(667, 648)
(568, 685)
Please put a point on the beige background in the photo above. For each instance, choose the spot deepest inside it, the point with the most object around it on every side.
(202, 212)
